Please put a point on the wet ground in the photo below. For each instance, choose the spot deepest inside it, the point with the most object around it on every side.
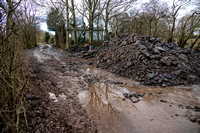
(72, 96)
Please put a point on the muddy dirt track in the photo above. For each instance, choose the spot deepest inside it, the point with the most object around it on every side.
(68, 95)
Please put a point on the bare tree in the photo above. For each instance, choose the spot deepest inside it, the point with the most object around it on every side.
(155, 10)
(13, 79)
(91, 7)
(74, 21)
(114, 8)
(67, 24)
(56, 23)
(175, 8)
(57, 5)
(27, 21)
(188, 25)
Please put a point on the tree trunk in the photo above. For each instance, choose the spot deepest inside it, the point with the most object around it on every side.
(9, 23)
(195, 41)
(185, 37)
(116, 32)
(9, 17)
(149, 32)
(90, 23)
(155, 30)
(84, 32)
(67, 25)
(171, 33)
(57, 38)
(106, 28)
(62, 35)
(74, 22)
(107, 20)
(98, 29)
(90, 29)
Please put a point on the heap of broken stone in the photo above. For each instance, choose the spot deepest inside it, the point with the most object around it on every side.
(150, 60)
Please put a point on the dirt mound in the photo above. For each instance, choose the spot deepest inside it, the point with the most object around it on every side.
(150, 60)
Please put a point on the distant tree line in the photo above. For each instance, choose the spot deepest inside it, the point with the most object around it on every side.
(67, 15)
(154, 18)
(158, 19)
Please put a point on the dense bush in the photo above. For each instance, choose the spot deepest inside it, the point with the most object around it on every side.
(16, 33)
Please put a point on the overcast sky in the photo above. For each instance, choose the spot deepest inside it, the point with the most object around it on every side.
(188, 8)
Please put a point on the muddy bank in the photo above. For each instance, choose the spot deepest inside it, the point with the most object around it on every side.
(149, 60)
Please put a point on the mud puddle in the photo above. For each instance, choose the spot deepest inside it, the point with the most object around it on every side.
(45, 52)
(157, 110)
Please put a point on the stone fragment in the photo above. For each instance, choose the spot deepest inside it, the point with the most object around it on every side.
(163, 101)
(150, 46)
(150, 76)
(183, 57)
(168, 76)
(142, 47)
(121, 52)
(129, 64)
(147, 38)
(155, 56)
(158, 92)
(197, 108)
(29, 97)
(161, 49)
(152, 39)
(53, 84)
(130, 39)
(171, 45)
(126, 95)
(155, 50)
(177, 72)
(135, 38)
(137, 54)
(191, 78)
(124, 43)
(144, 51)
(164, 85)
(159, 39)
(166, 60)
(158, 44)
(174, 62)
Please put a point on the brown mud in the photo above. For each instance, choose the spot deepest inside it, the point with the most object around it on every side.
(68, 95)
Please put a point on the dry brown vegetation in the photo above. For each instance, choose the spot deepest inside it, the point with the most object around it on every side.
(17, 32)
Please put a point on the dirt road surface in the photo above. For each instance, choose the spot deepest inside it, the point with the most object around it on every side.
(68, 95)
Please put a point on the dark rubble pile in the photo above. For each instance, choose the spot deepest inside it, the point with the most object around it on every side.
(76, 48)
(150, 60)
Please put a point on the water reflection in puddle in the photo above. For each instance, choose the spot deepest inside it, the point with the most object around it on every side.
(104, 102)
(102, 94)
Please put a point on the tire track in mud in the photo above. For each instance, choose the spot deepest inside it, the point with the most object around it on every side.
(55, 106)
